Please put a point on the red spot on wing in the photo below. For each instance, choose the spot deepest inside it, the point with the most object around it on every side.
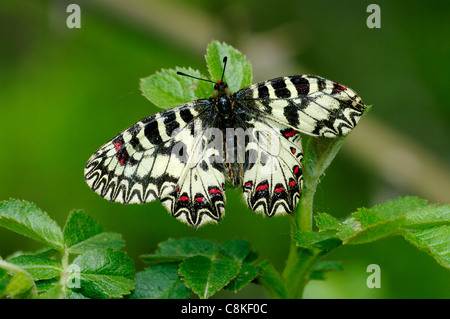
(262, 187)
(292, 183)
(199, 199)
(184, 198)
(118, 145)
(215, 191)
(339, 87)
(278, 190)
(290, 133)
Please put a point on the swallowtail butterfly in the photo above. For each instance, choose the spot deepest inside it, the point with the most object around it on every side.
(183, 155)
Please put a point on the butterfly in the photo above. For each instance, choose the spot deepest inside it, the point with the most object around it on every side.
(183, 156)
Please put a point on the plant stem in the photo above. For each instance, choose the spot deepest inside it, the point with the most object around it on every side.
(64, 273)
(318, 156)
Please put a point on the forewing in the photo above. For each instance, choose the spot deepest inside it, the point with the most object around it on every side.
(308, 103)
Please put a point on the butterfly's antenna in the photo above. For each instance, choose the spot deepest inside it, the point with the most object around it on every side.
(194, 77)
(225, 59)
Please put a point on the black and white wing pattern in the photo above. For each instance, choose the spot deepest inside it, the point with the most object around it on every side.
(308, 103)
(153, 159)
(281, 108)
(181, 155)
(272, 180)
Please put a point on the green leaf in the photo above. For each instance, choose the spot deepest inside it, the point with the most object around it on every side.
(104, 273)
(38, 267)
(434, 240)
(79, 227)
(160, 282)
(353, 233)
(167, 89)
(271, 281)
(156, 259)
(206, 276)
(326, 222)
(82, 233)
(314, 240)
(46, 285)
(20, 284)
(28, 220)
(428, 216)
(246, 274)
(238, 73)
(392, 209)
(55, 292)
(187, 247)
(318, 270)
(99, 241)
(238, 249)
(4, 281)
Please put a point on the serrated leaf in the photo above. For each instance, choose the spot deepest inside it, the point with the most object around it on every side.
(428, 216)
(40, 268)
(367, 217)
(100, 241)
(160, 282)
(187, 247)
(206, 276)
(373, 232)
(28, 220)
(318, 270)
(271, 280)
(326, 222)
(314, 240)
(246, 274)
(434, 240)
(79, 227)
(238, 72)
(238, 249)
(167, 89)
(392, 209)
(104, 273)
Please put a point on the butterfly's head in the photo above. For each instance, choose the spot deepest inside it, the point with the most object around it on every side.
(220, 89)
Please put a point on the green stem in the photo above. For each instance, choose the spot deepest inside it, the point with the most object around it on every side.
(319, 154)
(64, 273)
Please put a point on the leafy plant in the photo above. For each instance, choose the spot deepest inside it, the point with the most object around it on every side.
(99, 269)
(180, 267)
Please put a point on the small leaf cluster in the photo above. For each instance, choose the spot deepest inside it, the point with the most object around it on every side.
(425, 226)
(180, 266)
(167, 89)
(79, 261)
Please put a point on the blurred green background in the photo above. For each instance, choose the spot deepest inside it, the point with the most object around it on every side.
(64, 92)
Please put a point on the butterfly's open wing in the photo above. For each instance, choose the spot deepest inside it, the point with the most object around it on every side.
(272, 180)
(308, 103)
(152, 160)
(272, 174)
